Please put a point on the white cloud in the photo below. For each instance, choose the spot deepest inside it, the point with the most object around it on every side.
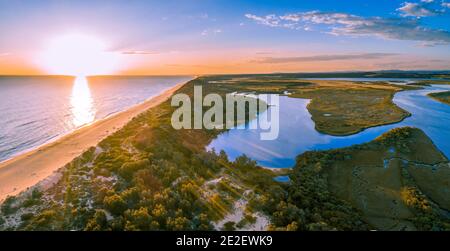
(269, 20)
(352, 25)
(421, 9)
(446, 5)
(281, 60)
(211, 31)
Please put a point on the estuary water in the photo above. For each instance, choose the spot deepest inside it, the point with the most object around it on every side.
(36, 110)
(297, 133)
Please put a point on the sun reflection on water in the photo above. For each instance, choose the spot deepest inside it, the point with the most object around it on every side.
(82, 105)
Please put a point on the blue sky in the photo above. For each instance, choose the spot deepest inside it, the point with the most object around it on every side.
(215, 36)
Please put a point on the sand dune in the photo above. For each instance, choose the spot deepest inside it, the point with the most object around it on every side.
(23, 171)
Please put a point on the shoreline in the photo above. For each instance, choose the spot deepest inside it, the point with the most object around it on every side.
(25, 170)
(435, 96)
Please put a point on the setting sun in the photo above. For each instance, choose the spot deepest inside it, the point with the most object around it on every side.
(78, 55)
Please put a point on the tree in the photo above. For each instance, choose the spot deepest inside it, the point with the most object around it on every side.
(129, 168)
(115, 204)
(145, 179)
(118, 223)
(8, 205)
(292, 227)
(80, 216)
(159, 211)
(46, 220)
(131, 196)
(178, 223)
(223, 156)
(229, 226)
(286, 213)
(202, 222)
(98, 222)
(140, 219)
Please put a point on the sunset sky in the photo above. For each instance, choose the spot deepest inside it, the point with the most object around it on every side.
(215, 36)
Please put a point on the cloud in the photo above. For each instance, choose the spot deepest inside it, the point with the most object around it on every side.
(431, 44)
(5, 54)
(445, 5)
(282, 60)
(412, 64)
(138, 52)
(421, 9)
(269, 20)
(352, 25)
(211, 31)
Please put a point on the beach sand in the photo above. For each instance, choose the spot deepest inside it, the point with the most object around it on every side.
(25, 170)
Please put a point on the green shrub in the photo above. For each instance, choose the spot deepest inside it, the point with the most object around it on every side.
(129, 168)
(115, 204)
(26, 216)
(8, 205)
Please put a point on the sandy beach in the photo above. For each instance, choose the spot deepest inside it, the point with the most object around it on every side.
(25, 170)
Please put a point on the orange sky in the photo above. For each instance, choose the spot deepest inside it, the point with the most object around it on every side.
(214, 62)
(153, 38)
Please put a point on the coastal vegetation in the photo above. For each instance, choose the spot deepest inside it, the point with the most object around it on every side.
(344, 107)
(431, 82)
(149, 176)
(146, 176)
(443, 97)
(396, 182)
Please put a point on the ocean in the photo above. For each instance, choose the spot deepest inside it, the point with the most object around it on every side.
(36, 110)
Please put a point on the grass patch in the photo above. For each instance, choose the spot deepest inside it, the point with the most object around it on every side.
(443, 97)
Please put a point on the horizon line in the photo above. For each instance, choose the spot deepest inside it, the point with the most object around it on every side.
(212, 74)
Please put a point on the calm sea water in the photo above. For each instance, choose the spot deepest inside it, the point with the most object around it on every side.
(35, 110)
(297, 132)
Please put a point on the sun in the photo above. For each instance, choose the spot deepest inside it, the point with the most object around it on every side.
(78, 55)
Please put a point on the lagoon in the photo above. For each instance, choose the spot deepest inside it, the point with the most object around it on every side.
(298, 135)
